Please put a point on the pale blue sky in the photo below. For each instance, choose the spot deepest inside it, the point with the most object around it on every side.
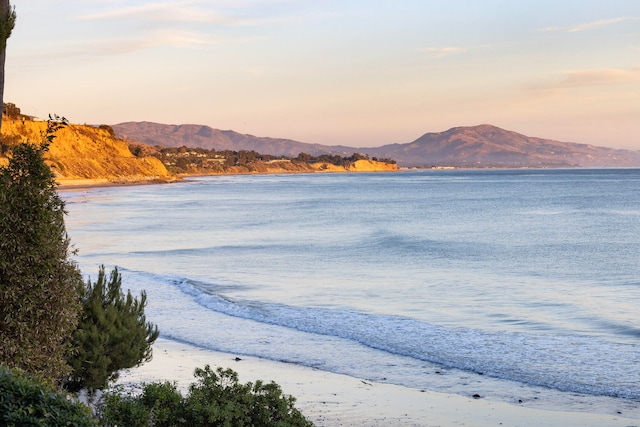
(354, 72)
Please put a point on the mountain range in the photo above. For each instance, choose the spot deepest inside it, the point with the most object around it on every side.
(466, 146)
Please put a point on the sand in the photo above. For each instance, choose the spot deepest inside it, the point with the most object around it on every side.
(338, 400)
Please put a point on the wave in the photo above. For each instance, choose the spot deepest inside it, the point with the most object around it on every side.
(569, 363)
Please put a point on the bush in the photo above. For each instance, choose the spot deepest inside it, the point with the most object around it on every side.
(25, 402)
(216, 399)
(164, 402)
(121, 409)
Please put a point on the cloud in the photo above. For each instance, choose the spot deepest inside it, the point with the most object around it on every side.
(600, 77)
(96, 48)
(193, 12)
(184, 11)
(588, 78)
(123, 46)
(441, 52)
(589, 25)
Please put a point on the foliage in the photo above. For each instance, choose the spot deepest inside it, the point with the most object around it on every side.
(121, 409)
(26, 402)
(7, 22)
(7, 142)
(109, 130)
(198, 160)
(112, 334)
(219, 399)
(38, 281)
(216, 399)
(11, 110)
(164, 402)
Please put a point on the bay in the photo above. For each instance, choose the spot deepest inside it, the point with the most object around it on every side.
(517, 285)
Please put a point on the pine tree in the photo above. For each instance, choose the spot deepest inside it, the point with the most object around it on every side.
(39, 283)
(112, 334)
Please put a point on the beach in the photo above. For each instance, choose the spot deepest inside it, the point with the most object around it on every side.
(329, 399)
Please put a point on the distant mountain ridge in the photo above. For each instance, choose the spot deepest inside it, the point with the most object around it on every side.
(491, 146)
(465, 146)
(201, 136)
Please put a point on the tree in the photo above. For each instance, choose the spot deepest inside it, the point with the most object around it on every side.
(11, 110)
(304, 158)
(112, 334)
(39, 283)
(109, 129)
(7, 22)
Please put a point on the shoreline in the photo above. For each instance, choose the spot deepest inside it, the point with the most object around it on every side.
(329, 399)
(73, 184)
(88, 183)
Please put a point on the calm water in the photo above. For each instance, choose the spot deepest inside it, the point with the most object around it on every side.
(521, 286)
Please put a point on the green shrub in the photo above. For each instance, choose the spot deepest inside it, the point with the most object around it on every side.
(219, 399)
(121, 409)
(26, 402)
(165, 404)
(216, 399)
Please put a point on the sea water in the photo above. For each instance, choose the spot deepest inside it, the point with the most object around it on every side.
(514, 285)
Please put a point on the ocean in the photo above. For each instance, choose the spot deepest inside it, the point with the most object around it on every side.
(515, 285)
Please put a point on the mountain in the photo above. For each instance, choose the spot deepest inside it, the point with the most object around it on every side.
(490, 146)
(473, 146)
(200, 136)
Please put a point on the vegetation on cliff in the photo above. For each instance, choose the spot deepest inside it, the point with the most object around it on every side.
(185, 160)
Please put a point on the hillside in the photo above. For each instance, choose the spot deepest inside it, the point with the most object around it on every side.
(199, 136)
(87, 153)
(476, 146)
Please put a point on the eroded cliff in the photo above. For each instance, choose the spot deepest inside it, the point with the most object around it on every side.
(82, 152)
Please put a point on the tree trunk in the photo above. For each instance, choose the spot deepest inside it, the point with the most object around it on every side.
(7, 26)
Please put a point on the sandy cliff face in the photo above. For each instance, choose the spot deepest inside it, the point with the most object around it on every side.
(293, 167)
(86, 152)
(357, 166)
(372, 166)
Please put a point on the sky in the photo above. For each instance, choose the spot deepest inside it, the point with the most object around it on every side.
(362, 73)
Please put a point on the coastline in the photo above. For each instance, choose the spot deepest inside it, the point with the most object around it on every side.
(329, 399)
(73, 184)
